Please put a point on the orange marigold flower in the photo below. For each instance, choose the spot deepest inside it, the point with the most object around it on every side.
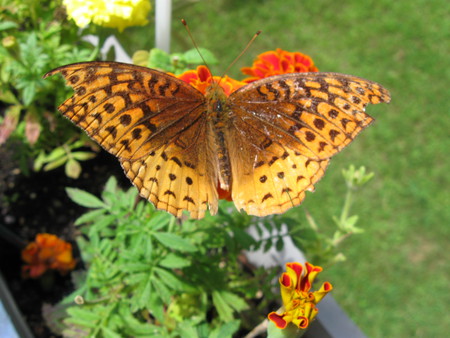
(47, 252)
(278, 62)
(299, 304)
(201, 79)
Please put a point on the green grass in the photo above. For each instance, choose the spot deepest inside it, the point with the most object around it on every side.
(395, 281)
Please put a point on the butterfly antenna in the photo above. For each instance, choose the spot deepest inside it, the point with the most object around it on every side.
(195, 44)
(240, 54)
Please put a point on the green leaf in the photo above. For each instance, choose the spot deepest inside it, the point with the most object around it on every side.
(174, 261)
(29, 92)
(159, 220)
(103, 222)
(83, 155)
(84, 198)
(56, 163)
(90, 216)
(110, 333)
(188, 331)
(8, 25)
(55, 154)
(192, 56)
(234, 300)
(73, 169)
(243, 237)
(156, 307)
(111, 185)
(170, 279)
(76, 311)
(279, 244)
(159, 59)
(223, 308)
(226, 330)
(174, 241)
(162, 290)
(39, 161)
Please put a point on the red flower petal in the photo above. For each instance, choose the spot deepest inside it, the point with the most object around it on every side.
(277, 320)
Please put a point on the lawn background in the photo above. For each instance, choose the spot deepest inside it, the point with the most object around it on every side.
(395, 280)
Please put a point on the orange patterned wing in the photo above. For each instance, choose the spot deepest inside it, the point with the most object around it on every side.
(154, 123)
(286, 128)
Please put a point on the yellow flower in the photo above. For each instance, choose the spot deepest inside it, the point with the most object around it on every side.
(108, 13)
(299, 304)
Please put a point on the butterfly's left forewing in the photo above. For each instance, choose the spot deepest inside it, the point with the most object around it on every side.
(154, 123)
(285, 130)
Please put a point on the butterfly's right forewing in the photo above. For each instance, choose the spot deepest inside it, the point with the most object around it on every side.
(285, 130)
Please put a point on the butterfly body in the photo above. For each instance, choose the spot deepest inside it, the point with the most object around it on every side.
(267, 142)
(219, 116)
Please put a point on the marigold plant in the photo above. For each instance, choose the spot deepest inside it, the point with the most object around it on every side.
(45, 253)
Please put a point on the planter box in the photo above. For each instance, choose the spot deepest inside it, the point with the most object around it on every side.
(12, 323)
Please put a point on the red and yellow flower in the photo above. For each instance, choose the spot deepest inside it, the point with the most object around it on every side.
(277, 62)
(201, 79)
(299, 304)
(47, 252)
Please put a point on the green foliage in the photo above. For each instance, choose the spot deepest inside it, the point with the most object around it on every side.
(142, 265)
(148, 273)
(176, 63)
(35, 39)
(321, 248)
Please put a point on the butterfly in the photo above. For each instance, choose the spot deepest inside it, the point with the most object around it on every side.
(267, 143)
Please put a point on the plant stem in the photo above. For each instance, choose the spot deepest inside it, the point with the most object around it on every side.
(347, 204)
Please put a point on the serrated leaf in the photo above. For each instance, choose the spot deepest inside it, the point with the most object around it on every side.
(111, 185)
(234, 300)
(223, 308)
(90, 216)
(188, 331)
(84, 198)
(174, 241)
(156, 307)
(162, 290)
(174, 261)
(168, 278)
(158, 220)
(226, 330)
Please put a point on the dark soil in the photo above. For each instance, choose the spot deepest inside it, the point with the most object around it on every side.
(38, 203)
